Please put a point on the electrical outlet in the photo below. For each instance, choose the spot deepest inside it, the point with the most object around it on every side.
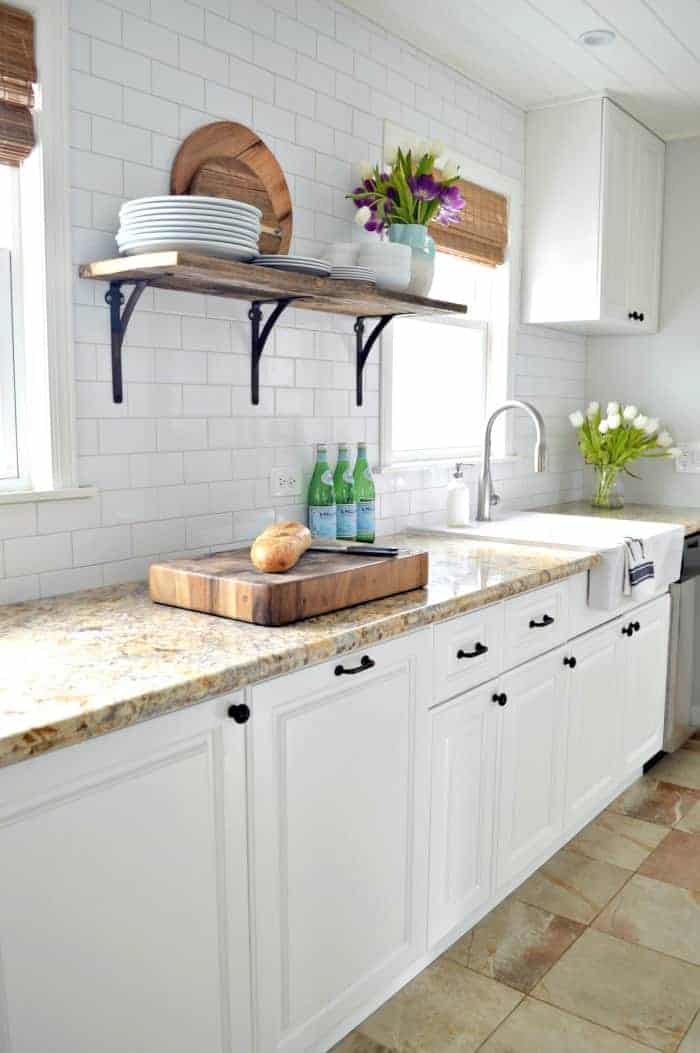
(285, 482)
(689, 460)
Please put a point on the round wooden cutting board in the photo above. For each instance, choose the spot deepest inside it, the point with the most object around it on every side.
(225, 159)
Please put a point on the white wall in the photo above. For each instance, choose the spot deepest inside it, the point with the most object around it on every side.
(661, 373)
(183, 464)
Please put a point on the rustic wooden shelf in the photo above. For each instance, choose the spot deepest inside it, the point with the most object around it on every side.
(188, 272)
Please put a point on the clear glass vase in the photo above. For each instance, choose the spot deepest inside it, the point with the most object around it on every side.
(607, 488)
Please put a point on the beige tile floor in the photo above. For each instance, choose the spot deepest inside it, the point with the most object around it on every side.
(597, 952)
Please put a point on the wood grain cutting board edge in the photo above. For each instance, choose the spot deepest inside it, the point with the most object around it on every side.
(227, 585)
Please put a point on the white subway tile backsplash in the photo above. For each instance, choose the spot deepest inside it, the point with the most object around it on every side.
(127, 436)
(121, 65)
(150, 40)
(178, 85)
(203, 531)
(165, 535)
(97, 19)
(32, 555)
(96, 96)
(236, 40)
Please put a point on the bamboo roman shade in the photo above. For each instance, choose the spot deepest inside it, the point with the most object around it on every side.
(17, 78)
(482, 231)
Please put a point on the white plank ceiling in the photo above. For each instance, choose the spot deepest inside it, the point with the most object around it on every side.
(528, 50)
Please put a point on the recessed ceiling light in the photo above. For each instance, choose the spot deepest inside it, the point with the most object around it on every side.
(597, 38)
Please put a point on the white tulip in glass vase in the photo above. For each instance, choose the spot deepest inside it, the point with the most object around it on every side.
(610, 441)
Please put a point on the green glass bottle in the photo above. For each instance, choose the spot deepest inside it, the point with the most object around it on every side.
(345, 502)
(364, 494)
(322, 516)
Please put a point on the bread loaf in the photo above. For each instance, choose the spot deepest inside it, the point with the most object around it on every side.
(280, 547)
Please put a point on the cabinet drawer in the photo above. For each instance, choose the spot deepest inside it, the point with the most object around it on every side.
(468, 651)
(535, 623)
(583, 618)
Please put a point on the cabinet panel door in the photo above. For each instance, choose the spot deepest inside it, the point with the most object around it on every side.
(461, 807)
(531, 763)
(644, 657)
(647, 190)
(596, 710)
(340, 801)
(122, 925)
(619, 145)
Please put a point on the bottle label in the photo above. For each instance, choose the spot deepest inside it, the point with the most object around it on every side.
(368, 474)
(327, 478)
(322, 520)
(347, 521)
(347, 476)
(365, 520)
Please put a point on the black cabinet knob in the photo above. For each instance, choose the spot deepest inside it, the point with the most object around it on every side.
(239, 712)
(571, 662)
(641, 316)
(636, 626)
(500, 699)
(627, 630)
(632, 314)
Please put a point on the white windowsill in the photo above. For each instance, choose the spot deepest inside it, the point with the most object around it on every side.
(445, 462)
(18, 497)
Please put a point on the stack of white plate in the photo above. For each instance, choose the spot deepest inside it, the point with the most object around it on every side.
(354, 274)
(300, 264)
(212, 226)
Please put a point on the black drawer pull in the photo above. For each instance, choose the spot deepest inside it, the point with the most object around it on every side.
(365, 663)
(627, 630)
(501, 699)
(571, 662)
(240, 713)
(547, 619)
(479, 648)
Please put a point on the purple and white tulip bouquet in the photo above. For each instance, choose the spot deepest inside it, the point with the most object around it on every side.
(410, 190)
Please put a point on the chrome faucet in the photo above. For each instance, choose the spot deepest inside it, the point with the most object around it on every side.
(487, 498)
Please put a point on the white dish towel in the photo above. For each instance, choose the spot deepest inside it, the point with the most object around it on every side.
(608, 583)
(639, 577)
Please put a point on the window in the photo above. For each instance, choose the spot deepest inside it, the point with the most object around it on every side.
(439, 375)
(438, 383)
(36, 346)
(11, 463)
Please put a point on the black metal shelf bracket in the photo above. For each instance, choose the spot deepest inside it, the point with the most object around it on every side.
(258, 338)
(119, 322)
(363, 348)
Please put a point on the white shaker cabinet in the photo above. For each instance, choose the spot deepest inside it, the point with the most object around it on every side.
(531, 758)
(463, 767)
(593, 219)
(596, 694)
(123, 892)
(339, 797)
(643, 659)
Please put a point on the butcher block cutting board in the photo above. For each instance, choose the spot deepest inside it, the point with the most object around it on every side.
(229, 585)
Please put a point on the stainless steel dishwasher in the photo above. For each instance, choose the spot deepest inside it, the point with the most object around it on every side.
(684, 652)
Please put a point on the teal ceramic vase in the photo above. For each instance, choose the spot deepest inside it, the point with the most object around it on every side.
(422, 246)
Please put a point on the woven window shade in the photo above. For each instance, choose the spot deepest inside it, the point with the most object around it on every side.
(17, 78)
(482, 231)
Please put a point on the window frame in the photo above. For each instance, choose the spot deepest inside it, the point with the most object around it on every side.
(45, 355)
(503, 327)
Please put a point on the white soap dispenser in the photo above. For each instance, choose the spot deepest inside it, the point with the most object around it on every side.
(458, 503)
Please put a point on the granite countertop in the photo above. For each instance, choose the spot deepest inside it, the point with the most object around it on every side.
(685, 517)
(78, 666)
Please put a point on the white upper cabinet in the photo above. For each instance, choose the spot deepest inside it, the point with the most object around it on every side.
(593, 215)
